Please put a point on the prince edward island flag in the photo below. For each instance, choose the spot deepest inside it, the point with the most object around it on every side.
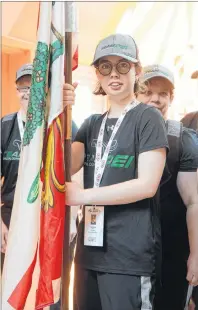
(37, 224)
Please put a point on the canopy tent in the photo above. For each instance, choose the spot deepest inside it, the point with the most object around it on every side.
(165, 32)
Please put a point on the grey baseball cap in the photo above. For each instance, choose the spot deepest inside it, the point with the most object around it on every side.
(152, 71)
(117, 45)
(24, 70)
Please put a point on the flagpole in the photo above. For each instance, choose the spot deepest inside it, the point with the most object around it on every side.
(69, 27)
(67, 156)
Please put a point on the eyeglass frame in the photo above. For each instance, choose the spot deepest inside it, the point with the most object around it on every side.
(114, 66)
(24, 89)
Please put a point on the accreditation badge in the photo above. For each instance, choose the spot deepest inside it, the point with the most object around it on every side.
(94, 226)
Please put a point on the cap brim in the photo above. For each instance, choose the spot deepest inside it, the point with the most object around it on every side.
(156, 74)
(22, 76)
(115, 54)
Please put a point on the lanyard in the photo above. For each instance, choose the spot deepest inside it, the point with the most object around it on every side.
(20, 124)
(100, 163)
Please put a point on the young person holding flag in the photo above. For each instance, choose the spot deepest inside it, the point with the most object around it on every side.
(123, 153)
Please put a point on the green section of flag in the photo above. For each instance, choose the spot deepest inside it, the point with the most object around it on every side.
(34, 190)
(36, 107)
(56, 49)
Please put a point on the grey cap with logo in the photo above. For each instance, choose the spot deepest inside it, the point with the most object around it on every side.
(24, 70)
(152, 71)
(117, 45)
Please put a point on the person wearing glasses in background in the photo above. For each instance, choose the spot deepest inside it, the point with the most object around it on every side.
(12, 129)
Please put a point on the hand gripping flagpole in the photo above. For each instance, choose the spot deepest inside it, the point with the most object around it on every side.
(70, 27)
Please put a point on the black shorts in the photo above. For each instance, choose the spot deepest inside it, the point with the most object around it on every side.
(6, 212)
(106, 291)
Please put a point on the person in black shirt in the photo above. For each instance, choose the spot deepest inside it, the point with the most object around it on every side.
(190, 120)
(178, 192)
(119, 235)
(12, 127)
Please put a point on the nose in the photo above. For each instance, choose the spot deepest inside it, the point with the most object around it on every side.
(114, 73)
(154, 97)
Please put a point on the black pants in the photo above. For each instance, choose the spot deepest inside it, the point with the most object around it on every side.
(171, 294)
(104, 291)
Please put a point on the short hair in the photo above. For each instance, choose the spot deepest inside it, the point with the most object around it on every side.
(143, 87)
(23, 79)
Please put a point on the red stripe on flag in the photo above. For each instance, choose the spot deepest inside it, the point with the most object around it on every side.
(18, 298)
(75, 60)
(52, 216)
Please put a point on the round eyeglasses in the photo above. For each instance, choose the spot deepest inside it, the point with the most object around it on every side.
(122, 67)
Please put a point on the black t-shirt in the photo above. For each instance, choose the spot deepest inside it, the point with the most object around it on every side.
(10, 155)
(132, 231)
(182, 157)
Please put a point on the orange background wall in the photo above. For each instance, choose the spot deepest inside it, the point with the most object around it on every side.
(10, 64)
(19, 31)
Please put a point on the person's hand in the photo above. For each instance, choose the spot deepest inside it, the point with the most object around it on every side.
(74, 194)
(191, 305)
(69, 94)
(192, 274)
(4, 237)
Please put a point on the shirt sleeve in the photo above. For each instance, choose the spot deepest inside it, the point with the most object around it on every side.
(189, 151)
(85, 128)
(2, 172)
(152, 131)
(82, 132)
(74, 130)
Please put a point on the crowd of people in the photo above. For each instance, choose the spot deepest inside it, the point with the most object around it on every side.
(137, 241)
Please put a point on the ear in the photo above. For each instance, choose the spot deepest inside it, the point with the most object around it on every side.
(97, 72)
(17, 92)
(138, 71)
